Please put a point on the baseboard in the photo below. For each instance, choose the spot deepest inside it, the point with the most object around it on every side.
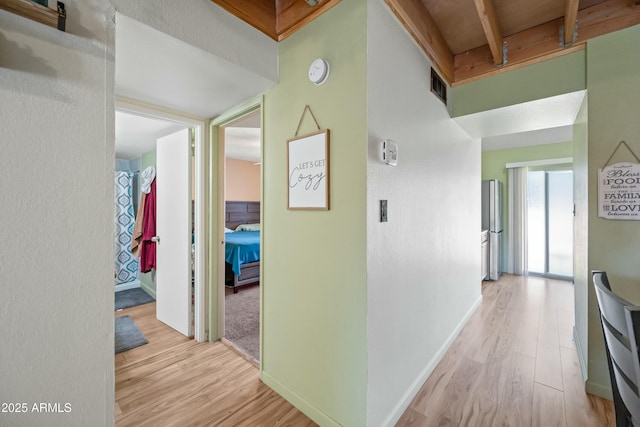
(581, 359)
(596, 389)
(599, 390)
(128, 285)
(148, 290)
(413, 390)
(305, 407)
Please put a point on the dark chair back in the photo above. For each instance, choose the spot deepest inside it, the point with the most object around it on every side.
(621, 327)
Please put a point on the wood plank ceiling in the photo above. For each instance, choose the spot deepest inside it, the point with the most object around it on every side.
(468, 39)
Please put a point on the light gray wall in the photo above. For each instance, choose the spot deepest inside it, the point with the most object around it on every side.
(56, 258)
(423, 265)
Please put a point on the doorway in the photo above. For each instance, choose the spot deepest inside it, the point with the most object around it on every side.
(550, 223)
(237, 152)
(192, 306)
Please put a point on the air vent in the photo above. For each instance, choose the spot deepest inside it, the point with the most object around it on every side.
(438, 87)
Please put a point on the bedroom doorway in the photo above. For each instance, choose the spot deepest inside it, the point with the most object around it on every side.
(239, 143)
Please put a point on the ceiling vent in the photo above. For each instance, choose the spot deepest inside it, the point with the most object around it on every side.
(438, 86)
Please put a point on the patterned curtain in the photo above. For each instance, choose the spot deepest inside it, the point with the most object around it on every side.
(126, 265)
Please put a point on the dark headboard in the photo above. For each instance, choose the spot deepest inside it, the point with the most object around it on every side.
(237, 213)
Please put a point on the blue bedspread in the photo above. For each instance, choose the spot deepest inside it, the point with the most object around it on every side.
(241, 247)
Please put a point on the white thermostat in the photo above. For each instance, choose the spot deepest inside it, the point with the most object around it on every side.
(319, 71)
(389, 152)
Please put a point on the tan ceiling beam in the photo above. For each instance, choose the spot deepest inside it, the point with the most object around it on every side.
(541, 43)
(487, 14)
(418, 21)
(570, 17)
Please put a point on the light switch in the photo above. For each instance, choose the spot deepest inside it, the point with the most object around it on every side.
(383, 211)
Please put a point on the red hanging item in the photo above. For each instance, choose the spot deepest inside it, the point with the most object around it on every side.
(148, 247)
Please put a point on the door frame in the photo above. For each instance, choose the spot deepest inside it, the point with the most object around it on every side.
(216, 213)
(200, 227)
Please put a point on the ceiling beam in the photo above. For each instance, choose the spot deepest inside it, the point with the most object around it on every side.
(487, 14)
(541, 43)
(570, 18)
(418, 22)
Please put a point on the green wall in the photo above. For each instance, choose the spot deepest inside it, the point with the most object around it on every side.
(556, 76)
(613, 85)
(148, 280)
(314, 279)
(493, 167)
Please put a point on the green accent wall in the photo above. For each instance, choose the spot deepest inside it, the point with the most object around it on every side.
(613, 84)
(314, 276)
(556, 76)
(494, 167)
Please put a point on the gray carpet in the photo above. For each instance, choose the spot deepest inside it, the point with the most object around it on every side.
(132, 298)
(242, 319)
(128, 335)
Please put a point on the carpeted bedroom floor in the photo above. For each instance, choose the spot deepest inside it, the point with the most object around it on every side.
(242, 319)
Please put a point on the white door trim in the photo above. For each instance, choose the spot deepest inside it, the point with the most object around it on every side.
(217, 199)
(201, 133)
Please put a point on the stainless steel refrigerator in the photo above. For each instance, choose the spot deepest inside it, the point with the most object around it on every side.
(492, 221)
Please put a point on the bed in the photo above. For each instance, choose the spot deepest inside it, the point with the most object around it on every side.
(242, 248)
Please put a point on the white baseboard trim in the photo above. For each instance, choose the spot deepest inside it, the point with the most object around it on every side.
(581, 359)
(307, 408)
(413, 390)
(148, 290)
(128, 285)
(599, 390)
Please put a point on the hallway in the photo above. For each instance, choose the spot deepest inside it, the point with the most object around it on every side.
(513, 364)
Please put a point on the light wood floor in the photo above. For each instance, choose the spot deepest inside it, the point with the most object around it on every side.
(513, 364)
(174, 381)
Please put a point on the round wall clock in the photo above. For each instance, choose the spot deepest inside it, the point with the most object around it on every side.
(319, 71)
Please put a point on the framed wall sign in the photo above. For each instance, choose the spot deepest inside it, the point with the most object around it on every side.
(308, 171)
(619, 191)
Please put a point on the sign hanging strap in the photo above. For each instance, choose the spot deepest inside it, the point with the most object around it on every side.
(307, 108)
(616, 149)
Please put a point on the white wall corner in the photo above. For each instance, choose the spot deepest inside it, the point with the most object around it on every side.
(413, 390)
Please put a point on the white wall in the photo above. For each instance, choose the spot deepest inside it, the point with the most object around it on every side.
(424, 263)
(208, 27)
(56, 264)
(57, 164)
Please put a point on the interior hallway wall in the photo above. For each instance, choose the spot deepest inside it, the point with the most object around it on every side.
(423, 265)
(314, 283)
(56, 261)
(613, 83)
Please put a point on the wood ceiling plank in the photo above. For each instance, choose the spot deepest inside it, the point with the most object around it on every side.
(541, 42)
(489, 20)
(458, 23)
(518, 15)
(260, 14)
(416, 19)
(570, 16)
(294, 14)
